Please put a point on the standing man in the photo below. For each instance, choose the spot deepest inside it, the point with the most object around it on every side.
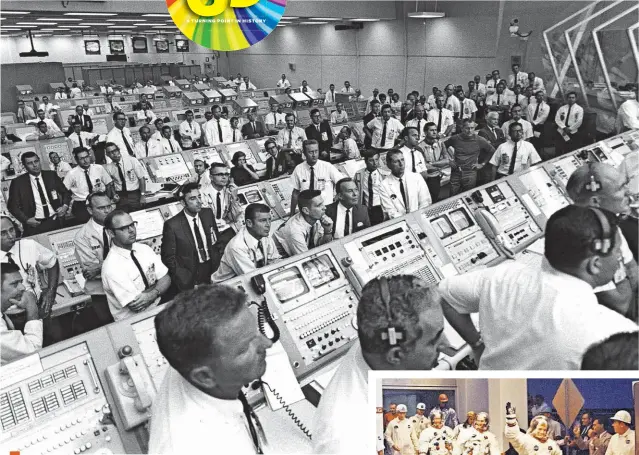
(347, 88)
(322, 132)
(120, 135)
(330, 95)
(369, 180)
(402, 192)
(217, 129)
(514, 155)
(536, 83)
(539, 406)
(115, 107)
(15, 344)
(290, 139)
(491, 83)
(147, 146)
(468, 151)
(133, 276)
(348, 216)
(451, 102)
(190, 131)
(479, 86)
(538, 112)
(46, 107)
(128, 178)
(518, 98)
(436, 439)
(419, 122)
(81, 138)
(38, 199)
(187, 241)
(313, 174)
(437, 158)
(61, 168)
(252, 247)
(467, 106)
(84, 179)
(581, 435)
(253, 129)
(84, 120)
(167, 143)
(515, 113)
(449, 416)
(283, 83)
(235, 135)
(339, 115)
(623, 441)
(599, 438)
(441, 117)
(374, 112)
(419, 422)
(398, 433)
(568, 119)
(308, 228)
(628, 115)
(413, 157)
(517, 77)
(383, 131)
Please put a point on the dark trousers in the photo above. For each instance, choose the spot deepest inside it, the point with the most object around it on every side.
(203, 273)
(129, 201)
(562, 147)
(46, 225)
(461, 180)
(80, 212)
(434, 185)
(376, 214)
(94, 316)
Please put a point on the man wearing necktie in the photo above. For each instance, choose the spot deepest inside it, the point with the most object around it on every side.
(253, 129)
(441, 117)
(84, 120)
(133, 276)
(402, 191)
(121, 135)
(217, 130)
(569, 118)
(37, 198)
(91, 246)
(81, 138)
(322, 132)
(413, 156)
(514, 155)
(25, 112)
(190, 131)
(348, 216)
(168, 142)
(369, 181)
(236, 134)
(419, 121)
(497, 102)
(128, 178)
(200, 400)
(252, 247)
(290, 139)
(383, 130)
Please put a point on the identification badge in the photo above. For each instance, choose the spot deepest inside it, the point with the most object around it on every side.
(213, 237)
(324, 136)
(54, 195)
(505, 159)
(321, 184)
(130, 175)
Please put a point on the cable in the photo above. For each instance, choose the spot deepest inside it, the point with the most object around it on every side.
(264, 317)
(290, 413)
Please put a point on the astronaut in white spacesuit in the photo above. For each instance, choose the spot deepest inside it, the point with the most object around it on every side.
(436, 439)
(481, 440)
(398, 433)
(535, 441)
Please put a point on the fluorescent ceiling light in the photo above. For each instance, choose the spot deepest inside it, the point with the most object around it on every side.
(10, 28)
(66, 19)
(150, 24)
(79, 26)
(64, 34)
(36, 23)
(28, 26)
(2, 18)
(119, 26)
(313, 23)
(103, 24)
(285, 22)
(281, 25)
(40, 35)
(325, 19)
(426, 15)
(53, 29)
(365, 20)
(164, 26)
(156, 15)
(125, 20)
(15, 12)
(90, 14)
(290, 17)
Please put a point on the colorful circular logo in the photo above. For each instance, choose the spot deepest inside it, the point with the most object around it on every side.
(226, 25)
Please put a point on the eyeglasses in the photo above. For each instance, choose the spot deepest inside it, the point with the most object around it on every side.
(128, 226)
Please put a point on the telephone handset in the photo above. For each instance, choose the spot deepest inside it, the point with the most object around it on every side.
(278, 366)
(132, 388)
(491, 227)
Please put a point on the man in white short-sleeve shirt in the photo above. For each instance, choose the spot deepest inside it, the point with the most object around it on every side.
(550, 315)
(526, 126)
(402, 192)
(383, 131)
(314, 174)
(514, 155)
(441, 117)
(133, 276)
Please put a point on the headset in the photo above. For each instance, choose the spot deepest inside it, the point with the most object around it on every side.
(603, 244)
(392, 334)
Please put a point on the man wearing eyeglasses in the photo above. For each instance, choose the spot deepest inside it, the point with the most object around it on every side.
(251, 248)
(133, 276)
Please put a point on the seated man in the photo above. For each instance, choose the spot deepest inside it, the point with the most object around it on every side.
(251, 248)
(346, 145)
(15, 344)
(133, 276)
(348, 216)
(43, 133)
(308, 228)
(212, 343)
(400, 327)
(542, 300)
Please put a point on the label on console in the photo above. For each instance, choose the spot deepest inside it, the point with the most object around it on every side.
(20, 370)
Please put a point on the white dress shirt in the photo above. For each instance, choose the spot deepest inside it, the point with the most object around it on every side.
(447, 118)
(295, 137)
(122, 281)
(47, 108)
(334, 428)
(190, 219)
(538, 85)
(542, 113)
(622, 444)
(481, 88)
(468, 108)
(168, 146)
(497, 99)
(521, 78)
(209, 199)
(76, 92)
(283, 83)
(276, 119)
(393, 129)
(62, 169)
(15, 344)
(491, 87)
(518, 99)
(525, 124)
(349, 147)
(526, 156)
(60, 96)
(416, 192)
(39, 213)
(347, 90)
(340, 221)
(420, 165)
(575, 120)
(329, 98)
(76, 182)
(243, 86)
(339, 117)
(85, 136)
(132, 170)
(452, 104)
(294, 235)
(540, 304)
(628, 115)
(185, 419)
(419, 124)
(192, 130)
(31, 258)
(242, 255)
(326, 177)
(212, 132)
(147, 115)
(148, 148)
(117, 137)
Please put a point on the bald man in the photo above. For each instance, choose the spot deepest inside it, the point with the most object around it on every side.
(603, 186)
(448, 413)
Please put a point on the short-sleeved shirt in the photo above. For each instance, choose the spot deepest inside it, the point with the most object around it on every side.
(132, 170)
(526, 127)
(326, 176)
(420, 165)
(31, 258)
(295, 137)
(339, 117)
(393, 129)
(122, 280)
(447, 118)
(349, 147)
(468, 108)
(526, 156)
(76, 181)
(419, 124)
(294, 236)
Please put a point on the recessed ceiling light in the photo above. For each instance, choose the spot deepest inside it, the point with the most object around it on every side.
(28, 26)
(313, 23)
(125, 20)
(156, 15)
(16, 12)
(290, 17)
(90, 14)
(64, 34)
(426, 15)
(66, 19)
(36, 23)
(365, 20)
(325, 19)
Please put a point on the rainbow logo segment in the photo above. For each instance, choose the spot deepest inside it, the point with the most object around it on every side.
(226, 25)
